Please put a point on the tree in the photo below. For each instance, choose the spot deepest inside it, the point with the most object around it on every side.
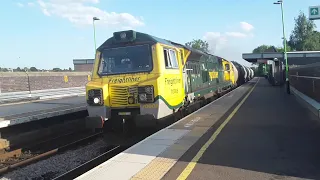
(304, 37)
(18, 69)
(33, 69)
(263, 48)
(269, 48)
(312, 43)
(199, 44)
(56, 69)
(281, 48)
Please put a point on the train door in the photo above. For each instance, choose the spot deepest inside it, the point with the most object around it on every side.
(185, 74)
(215, 67)
(197, 76)
(204, 74)
(220, 71)
(193, 75)
(188, 77)
(226, 68)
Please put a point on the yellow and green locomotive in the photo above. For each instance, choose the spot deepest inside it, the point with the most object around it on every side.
(140, 79)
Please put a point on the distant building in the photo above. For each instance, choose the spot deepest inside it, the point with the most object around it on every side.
(83, 64)
(295, 58)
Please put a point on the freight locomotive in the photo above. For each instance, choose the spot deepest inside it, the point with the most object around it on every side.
(138, 80)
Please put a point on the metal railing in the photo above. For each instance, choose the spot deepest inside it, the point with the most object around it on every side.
(41, 94)
(306, 79)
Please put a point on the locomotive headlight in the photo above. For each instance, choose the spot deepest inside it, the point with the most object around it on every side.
(146, 94)
(96, 100)
(95, 97)
(143, 97)
(149, 89)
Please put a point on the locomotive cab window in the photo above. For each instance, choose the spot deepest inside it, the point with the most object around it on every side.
(170, 58)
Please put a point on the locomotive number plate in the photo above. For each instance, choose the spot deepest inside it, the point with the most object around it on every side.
(124, 113)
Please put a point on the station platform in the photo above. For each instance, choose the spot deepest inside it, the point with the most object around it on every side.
(256, 131)
(23, 112)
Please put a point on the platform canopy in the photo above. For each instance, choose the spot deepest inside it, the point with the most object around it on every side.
(294, 58)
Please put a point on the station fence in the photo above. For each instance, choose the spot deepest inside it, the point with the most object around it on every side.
(306, 79)
(35, 85)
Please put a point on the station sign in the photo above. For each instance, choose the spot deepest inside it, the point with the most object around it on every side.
(314, 12)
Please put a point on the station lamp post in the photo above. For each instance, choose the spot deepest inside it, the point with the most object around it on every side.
(284, 47)
(94, 33)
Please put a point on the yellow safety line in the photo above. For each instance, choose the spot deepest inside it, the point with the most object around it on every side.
(187, 171)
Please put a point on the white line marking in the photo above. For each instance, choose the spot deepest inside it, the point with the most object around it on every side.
(191, 123)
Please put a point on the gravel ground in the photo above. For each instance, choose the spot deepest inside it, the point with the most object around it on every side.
(58, 164)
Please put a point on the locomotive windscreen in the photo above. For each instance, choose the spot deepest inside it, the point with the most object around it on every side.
(129, 59)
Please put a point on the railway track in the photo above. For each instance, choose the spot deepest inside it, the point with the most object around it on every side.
(41, 150)
(29, 155)
(112, 151)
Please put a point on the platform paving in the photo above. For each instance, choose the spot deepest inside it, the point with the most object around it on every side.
(271, 136)
(155, 155)
(256, 131)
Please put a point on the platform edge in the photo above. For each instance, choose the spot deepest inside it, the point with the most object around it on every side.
(306, 101)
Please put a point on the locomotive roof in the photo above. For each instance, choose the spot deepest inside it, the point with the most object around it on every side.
(140, 37)
(143, 37)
